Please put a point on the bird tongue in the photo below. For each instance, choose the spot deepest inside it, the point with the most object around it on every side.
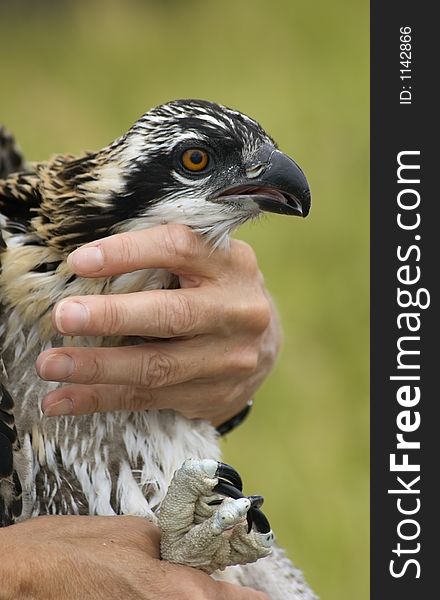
(268, 199)
(257, 193)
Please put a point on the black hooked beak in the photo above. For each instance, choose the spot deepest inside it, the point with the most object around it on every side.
(274, 182)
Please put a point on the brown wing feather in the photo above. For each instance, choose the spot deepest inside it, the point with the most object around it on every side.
(11, 157)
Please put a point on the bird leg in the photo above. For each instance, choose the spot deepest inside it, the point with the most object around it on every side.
(207, 522)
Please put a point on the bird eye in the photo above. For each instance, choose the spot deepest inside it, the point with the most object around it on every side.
(195, 159)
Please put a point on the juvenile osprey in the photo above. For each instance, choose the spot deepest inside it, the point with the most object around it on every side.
(190, 162)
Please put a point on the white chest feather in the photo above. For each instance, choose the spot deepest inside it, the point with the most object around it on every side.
(104, 463)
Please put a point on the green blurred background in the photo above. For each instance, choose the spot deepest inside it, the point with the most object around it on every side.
(76, 75)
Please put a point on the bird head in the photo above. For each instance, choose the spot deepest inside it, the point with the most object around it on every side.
(188, 161)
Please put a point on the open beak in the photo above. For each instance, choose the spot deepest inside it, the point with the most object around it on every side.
(274, 182)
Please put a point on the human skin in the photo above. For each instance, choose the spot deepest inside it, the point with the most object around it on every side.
(218, 335)
(73, 557)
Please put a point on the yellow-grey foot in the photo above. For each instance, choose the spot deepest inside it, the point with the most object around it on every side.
(206, 522)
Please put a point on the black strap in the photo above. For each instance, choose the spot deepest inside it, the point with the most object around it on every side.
(235, 421)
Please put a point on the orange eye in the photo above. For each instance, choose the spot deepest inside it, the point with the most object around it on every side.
(195, 159)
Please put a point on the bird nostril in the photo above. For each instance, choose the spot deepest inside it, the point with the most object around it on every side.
(255, 170)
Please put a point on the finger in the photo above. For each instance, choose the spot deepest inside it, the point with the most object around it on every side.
(230, 591)
(200, 585)
(157, 313)
(83, 399)
(188, 398)
(173, 247)
(147, 365)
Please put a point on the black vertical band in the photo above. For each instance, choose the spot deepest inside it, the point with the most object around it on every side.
(405, 331)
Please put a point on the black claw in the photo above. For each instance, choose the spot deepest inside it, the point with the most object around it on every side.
(231, 485)
(260, 521)
(228, 490)
(249, 520)
(226, 472)
(256, 501)
(216, 502)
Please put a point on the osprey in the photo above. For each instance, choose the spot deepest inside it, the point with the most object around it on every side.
(191, 162)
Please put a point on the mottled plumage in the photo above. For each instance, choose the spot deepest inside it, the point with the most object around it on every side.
(10, 486)
(116, 463)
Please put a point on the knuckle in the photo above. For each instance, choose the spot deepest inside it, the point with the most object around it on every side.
(113, 317)
(92, 370)
(94, 402)
(138, 399)
(252, 316)
(244, 362)
(181, 242)
(129, 252)
(245, 256)
(179, 317)
(261, 314)
(156, 370)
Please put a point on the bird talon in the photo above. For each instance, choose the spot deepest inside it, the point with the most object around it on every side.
(229, 490)
(255, 517)
(256, 501)
(260, 521)
(229, 474)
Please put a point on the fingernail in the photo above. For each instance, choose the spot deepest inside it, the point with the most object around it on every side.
(86, 259)
(60, 407)
(71, 317)
(57, 367)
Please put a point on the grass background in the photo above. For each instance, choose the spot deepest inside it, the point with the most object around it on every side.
(76, 75)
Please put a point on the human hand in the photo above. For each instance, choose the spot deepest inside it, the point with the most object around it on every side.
(220, 331)
(72, 557)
